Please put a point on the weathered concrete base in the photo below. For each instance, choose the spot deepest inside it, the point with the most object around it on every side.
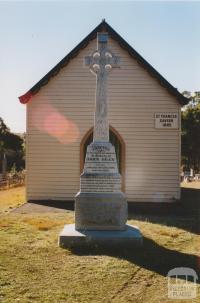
(100, 211)
(70, 237)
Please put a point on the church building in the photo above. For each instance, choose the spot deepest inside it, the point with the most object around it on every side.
(144, 113)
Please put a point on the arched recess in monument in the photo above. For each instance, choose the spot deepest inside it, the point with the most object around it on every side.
(116, 140)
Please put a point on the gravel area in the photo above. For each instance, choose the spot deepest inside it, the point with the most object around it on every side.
(32, 207)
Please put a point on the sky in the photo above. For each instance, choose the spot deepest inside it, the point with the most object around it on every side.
(36, 35)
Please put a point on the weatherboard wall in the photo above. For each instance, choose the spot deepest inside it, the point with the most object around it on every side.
(152, 156)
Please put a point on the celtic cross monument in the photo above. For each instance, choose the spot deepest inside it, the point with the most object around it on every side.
(100, 205)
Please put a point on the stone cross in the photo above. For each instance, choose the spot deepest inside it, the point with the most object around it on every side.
(100, 63)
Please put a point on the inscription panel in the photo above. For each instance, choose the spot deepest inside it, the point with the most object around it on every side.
(101, 183)
(100, 158)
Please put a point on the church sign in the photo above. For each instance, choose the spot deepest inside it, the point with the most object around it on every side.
(166, 120)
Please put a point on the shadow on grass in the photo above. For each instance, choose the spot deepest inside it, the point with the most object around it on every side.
(190, 224)
(65, 205)
(150, 256)
(184, 214)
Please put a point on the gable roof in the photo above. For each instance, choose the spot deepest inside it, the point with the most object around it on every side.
(104, 26)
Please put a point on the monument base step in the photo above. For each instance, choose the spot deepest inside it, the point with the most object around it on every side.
(70, 237)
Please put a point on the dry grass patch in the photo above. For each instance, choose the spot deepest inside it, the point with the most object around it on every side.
(41, 223)
(45, 223)
(11, 198)
(170, 232)
(194, 184)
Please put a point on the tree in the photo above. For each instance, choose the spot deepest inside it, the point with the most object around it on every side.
(3, 128)
(193, 97)
(191, 136)
(12, 146)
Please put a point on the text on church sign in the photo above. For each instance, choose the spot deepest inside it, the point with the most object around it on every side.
(166, 120)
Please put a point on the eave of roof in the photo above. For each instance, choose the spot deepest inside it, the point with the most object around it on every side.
(104, 26)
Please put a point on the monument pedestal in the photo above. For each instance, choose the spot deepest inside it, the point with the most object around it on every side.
(70, 237)
(100, 204)
(100, 211)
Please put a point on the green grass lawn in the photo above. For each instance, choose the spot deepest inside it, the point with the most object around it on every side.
(34, 269)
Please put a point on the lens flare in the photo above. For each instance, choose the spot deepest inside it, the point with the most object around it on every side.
(47, 119)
